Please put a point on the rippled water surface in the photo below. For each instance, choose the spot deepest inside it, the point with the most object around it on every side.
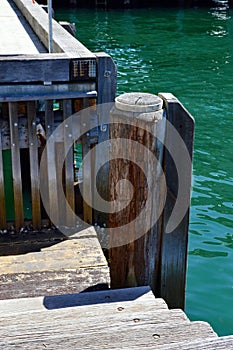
(189, 53)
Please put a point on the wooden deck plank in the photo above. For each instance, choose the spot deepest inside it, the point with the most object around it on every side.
(92, 315)
(83, 252)
(15, 36)
(35, 284)
(100, 335)
(127, 300)
(69, 266)
(221, 343)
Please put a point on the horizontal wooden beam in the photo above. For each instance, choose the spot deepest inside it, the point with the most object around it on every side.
(34, 68)
(29, 92)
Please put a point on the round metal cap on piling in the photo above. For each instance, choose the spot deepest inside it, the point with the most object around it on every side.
(139, 102)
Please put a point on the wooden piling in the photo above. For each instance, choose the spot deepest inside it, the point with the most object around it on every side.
(156, 257)
(135, 246)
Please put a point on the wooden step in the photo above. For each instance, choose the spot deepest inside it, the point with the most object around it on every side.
(130, 299)
(130, 318)
(63, 334)
(68, 266)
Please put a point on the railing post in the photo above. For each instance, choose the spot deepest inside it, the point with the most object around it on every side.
(106, 93)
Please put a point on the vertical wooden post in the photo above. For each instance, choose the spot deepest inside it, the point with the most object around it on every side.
(69, 163)
(34, 165)
(2, 191)
(106, 93)
(134, 258)
(174, 244)
(87, 166)
(53, 204)
(16, 166)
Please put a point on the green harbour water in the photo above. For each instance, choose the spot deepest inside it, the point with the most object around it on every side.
(188, 52)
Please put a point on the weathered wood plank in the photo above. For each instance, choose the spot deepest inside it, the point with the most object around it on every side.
(34, 165)
(59, 166)
(127, 300)
(53, 204)
(2, 187)
(69, 163)
(106, 93)
(173, 265)
(90, 314)
(221, 343)
(65, 280)
(87, 165)
(69, 266)
(16, 166)
(34, 69)
(46, 92)
(101, 335)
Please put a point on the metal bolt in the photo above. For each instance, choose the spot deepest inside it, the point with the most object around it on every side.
(120, 308)
(156, 336)
(107, 73)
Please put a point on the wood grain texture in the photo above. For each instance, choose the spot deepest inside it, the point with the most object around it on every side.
(69, 163)
(16, 166)
(140, 247)
(130, 318)
(106, 93)
(52, 188)
(69, 266)
(36, 68)
(34, 165)
(101, 336)
(87, 165)
(127, 300)
(2, 186)
(23, 92)
(174, 244)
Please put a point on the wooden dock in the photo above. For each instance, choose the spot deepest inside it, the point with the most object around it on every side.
(55, 288)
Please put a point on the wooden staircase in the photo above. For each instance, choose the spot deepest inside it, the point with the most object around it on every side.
(113, 319)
